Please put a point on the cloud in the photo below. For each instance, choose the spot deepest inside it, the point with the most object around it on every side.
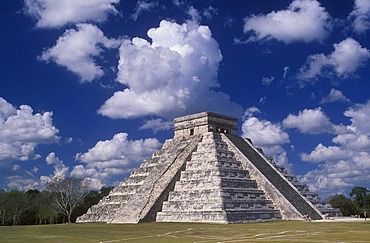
(178, 3)
(22, 184)
(330, 179)
(310, 121)
(359, 115)
(263, 100)
(76, 50)
(194, 14)
(113, 157)
(304, 20)
(60, 170)
(267, 135)
(143, 6)
(326, 154)
(263, 132)
(174, 74)
(361, 16)
(157, 125)
(341, 176)
(335, 96)
(119, 151)
(56, 13)
(250, 112)
(346, 163)
(285, 73)
(347, 57)
(21, 131)
(209, 12)
(267, 80)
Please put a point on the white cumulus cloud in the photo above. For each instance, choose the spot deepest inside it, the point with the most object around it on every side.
(347, 57)
(263, 132)
(311, 121)
(60, 170)
(21, 131)
(174, 73)
(267, 135)
(359, 115)
(335, 96)
(361, 16)
(56, 13)
(346, 163)
(156, 125)
(303, 20)
(76, 50)
(113, 157)
(326, 154)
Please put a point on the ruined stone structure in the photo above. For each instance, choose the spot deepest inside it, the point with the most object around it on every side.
(207, 173)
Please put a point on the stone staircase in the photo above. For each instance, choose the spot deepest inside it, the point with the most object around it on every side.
(215, 188)
(285, 188)
(146, 187)
(324, 207)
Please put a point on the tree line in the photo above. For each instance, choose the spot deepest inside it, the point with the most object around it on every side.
(356, 205)
(63, 200)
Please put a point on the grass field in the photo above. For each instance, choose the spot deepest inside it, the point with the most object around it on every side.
(282, 231)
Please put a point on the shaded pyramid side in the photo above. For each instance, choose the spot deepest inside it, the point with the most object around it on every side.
(214, 188)
(137, 197)
(325, 208)
(291, 202)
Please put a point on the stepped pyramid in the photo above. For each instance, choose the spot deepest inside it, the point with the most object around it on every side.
(207, 173)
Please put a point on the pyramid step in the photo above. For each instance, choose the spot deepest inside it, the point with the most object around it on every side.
(216, 162)
(225, 194)
(280, 183)
(216, 183)
(219, 216)
(209, 174)
(215, 203)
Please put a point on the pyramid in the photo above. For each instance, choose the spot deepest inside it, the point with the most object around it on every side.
(207, 173)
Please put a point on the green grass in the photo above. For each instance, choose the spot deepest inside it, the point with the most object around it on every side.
(282, 231)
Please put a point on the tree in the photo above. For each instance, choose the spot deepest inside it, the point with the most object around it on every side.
(4, 207)
(104, 191)
(67, 194)
(46, 212)
(359, 195)
(18, 202)
(92, 198)
(344, 204)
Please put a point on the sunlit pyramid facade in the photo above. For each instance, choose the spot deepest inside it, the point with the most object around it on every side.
(207, 173)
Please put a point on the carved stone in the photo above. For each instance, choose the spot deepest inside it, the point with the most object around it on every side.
(206, 173)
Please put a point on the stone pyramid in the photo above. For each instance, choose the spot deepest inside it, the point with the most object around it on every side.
(207, 173)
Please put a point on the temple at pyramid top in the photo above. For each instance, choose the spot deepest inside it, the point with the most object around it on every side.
(203, 122)
(207, 173)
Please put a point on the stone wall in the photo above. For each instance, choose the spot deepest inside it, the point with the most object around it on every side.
(204, 122)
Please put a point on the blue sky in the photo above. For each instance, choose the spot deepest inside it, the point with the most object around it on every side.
(90, 88)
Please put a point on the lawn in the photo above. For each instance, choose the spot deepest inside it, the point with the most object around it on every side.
(281, 231)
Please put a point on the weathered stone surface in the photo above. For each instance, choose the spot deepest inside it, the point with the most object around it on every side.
(324, 207)
(290, 201)
(215, 188)
(205, 122)
(144, 187)
(206, 173)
